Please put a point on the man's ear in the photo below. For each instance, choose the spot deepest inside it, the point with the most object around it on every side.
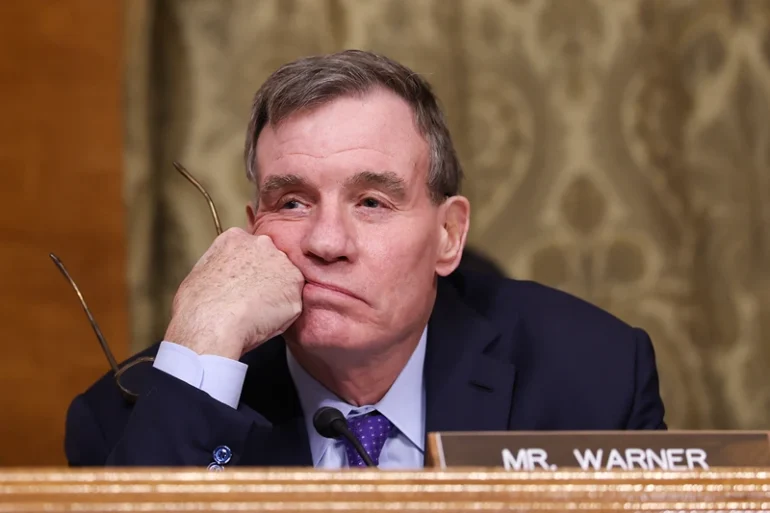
(251, 215)
(455, 214)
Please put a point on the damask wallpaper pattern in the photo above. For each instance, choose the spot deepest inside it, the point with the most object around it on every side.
(619, 150)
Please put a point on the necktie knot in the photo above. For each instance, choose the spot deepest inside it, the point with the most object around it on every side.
(372, 431)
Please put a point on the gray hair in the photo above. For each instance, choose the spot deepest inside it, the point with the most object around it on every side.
(313, 81)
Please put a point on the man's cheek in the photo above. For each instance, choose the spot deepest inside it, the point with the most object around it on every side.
(285, 238)
(266, 226)
(257, 226)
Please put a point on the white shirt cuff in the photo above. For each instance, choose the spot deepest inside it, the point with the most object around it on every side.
(220, 377)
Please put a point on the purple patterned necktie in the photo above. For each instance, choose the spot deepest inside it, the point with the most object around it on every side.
(372, 430)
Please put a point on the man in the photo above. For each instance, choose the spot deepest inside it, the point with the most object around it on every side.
(343, 292)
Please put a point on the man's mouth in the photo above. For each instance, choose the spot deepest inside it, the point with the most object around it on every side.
(332, 288)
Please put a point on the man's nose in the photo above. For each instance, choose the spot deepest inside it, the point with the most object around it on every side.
(330, 235)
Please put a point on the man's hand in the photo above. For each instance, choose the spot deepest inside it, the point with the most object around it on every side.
(242, 292)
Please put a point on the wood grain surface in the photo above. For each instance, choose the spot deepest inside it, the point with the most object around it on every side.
(61, 184)
(354, 490)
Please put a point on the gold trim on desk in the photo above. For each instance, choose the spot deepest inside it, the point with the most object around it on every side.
(164, 490)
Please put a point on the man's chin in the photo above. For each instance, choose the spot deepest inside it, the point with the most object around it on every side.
(321, 328)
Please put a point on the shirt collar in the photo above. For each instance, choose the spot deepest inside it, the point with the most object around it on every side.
(403, 404)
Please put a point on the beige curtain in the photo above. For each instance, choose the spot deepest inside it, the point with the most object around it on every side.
(617, 149)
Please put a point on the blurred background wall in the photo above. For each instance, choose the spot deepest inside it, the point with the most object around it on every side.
(619, 150)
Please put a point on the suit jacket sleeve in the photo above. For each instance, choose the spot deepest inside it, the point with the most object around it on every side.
(647, 411)
(171, 424)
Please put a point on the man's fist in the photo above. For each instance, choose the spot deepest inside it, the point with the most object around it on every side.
(242, 292)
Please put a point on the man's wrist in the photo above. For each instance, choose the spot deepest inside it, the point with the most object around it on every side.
(220, 377)
(205, 342)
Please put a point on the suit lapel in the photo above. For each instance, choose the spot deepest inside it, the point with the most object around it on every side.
(269, 390)
(469, 376)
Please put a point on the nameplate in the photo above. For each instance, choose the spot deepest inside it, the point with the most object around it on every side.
(595, 450)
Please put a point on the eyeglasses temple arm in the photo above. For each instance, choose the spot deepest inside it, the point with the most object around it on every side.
(179, 167)
(94, 325)
(105, 348)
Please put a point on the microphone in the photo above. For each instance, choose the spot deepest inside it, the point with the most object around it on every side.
(330, 423)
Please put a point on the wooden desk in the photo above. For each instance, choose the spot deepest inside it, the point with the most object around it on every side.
(24, 490)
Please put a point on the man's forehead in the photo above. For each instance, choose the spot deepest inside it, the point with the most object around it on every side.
(378, 127)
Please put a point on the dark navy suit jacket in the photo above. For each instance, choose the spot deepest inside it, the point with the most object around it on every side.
(501, 355)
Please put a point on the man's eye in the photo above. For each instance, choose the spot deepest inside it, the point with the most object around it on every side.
(371, 203)
(291, 205)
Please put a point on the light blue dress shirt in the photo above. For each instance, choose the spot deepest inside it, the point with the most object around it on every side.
(404, 404)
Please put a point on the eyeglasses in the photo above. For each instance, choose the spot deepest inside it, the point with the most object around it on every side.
(121, 374)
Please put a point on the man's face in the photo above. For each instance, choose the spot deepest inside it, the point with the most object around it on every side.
(343, 193)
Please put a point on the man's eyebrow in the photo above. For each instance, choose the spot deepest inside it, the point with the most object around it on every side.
(277, 182)
(387, 181)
